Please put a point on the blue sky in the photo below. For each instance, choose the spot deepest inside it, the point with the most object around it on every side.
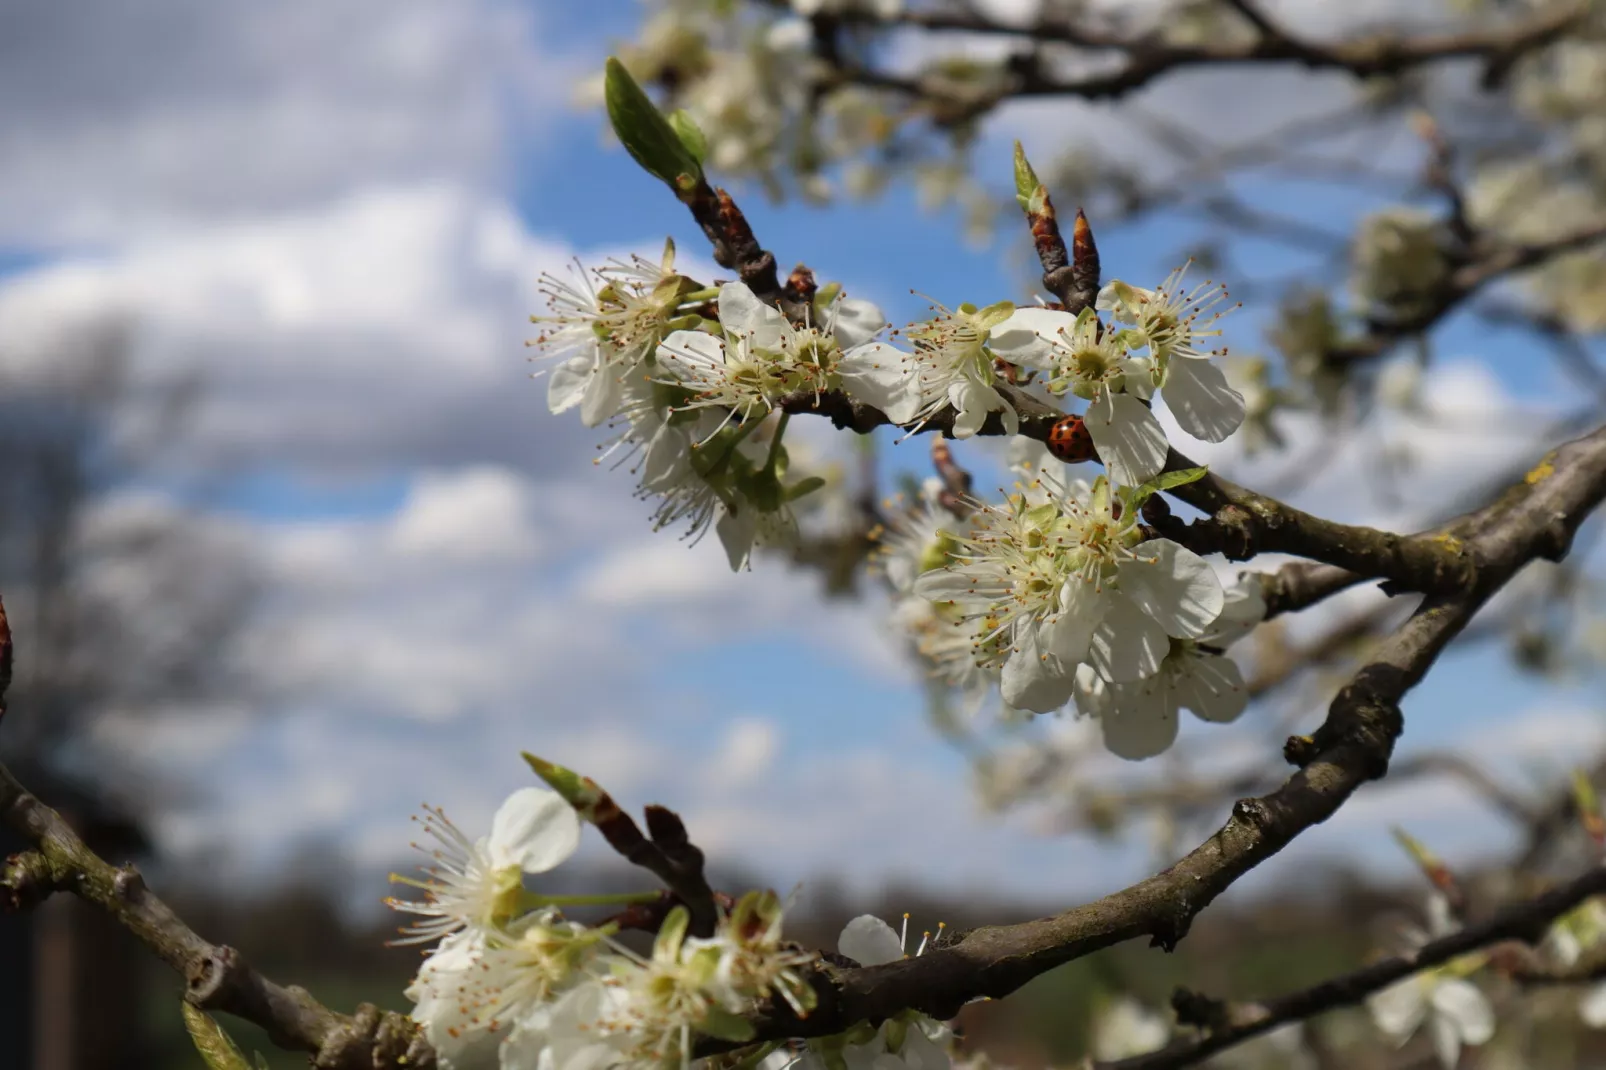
(448, 578)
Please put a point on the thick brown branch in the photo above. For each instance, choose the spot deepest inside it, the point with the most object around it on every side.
(1243, 523)
(218, 978)
(1536, 518)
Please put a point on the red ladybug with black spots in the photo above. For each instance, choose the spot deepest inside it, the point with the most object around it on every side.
(1070, 440)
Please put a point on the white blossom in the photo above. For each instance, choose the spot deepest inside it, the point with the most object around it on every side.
(1127, 1028)
(602, 324)
(1174, 323)
(952, 368)
(1139, 719)
(1081, 357)
(476, 884)
(1070, 581)
(701, 472)
(760, 357)
(1455, 1011)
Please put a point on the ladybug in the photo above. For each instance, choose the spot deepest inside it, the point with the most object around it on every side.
(1070, 440)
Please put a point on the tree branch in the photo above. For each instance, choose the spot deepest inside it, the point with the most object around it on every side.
(1234, 1023)
(217, 977)
(1536, 518)
(1148, 56)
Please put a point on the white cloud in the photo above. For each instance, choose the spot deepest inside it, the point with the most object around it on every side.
(127, 119)
(375, 332)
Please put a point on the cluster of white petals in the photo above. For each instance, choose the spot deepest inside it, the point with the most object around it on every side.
(1057, 593)
(514, 984)
(907, 1041)
(1455, 1012)
(1581, 930)
(1054, 595)
(1153, 344)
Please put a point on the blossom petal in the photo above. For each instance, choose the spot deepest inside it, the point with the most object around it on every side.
(1029, 336)
(971, 402)
(535, 829)
(603, 396)
(1128, 438)
(1137, 377)
(1141, 725)
(737, 531)
(919, 1052)
(1070, 635)
(869, 941)
(687, 355)
(1446, 1041)
(1035, 680)
(855, 321)
(1463, 1005)
(1128, 644)
(884, 376)
(1243, 608)
(946, 585)
(742, 313)
(1398, 1009)
(1198, 395)
(1094, 695)
(667, 460)
(1175, 586)
(1592, 1008)
(567, 383)
(1211, 686)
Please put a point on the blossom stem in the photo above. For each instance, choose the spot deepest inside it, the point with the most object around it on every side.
(534, 900)
(775, 442)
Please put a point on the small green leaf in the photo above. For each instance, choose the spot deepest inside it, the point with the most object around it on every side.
(673, 933)
(994, 314)
(690, 134)
(804, 487)
(217, 1050)
(1027, 184)
(577, 791)
(1180, 478)
(644, 132)
(1134, 497)
(724, 1025)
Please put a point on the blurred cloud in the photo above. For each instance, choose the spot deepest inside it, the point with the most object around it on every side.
(381, 330)
(129, 119)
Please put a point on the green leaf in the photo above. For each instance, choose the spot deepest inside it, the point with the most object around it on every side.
(724, 1025)
(1180, 478)
(1134, 497)
(804, 487)
(644, 132)
(690, 134)
(1030, 193)
(577, 791)
(217, 1050)
(672, 933)
(994, 314)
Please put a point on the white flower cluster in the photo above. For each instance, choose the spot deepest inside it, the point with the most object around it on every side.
(689, 394)
(1580, 931)
(1454, 1010)
(907, 1041)
(515, 984)
(1153, 345)
(1056, 595)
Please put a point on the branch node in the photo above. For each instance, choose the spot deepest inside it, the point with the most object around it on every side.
(27, 880)
(128, 884)
(1197, 1009)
